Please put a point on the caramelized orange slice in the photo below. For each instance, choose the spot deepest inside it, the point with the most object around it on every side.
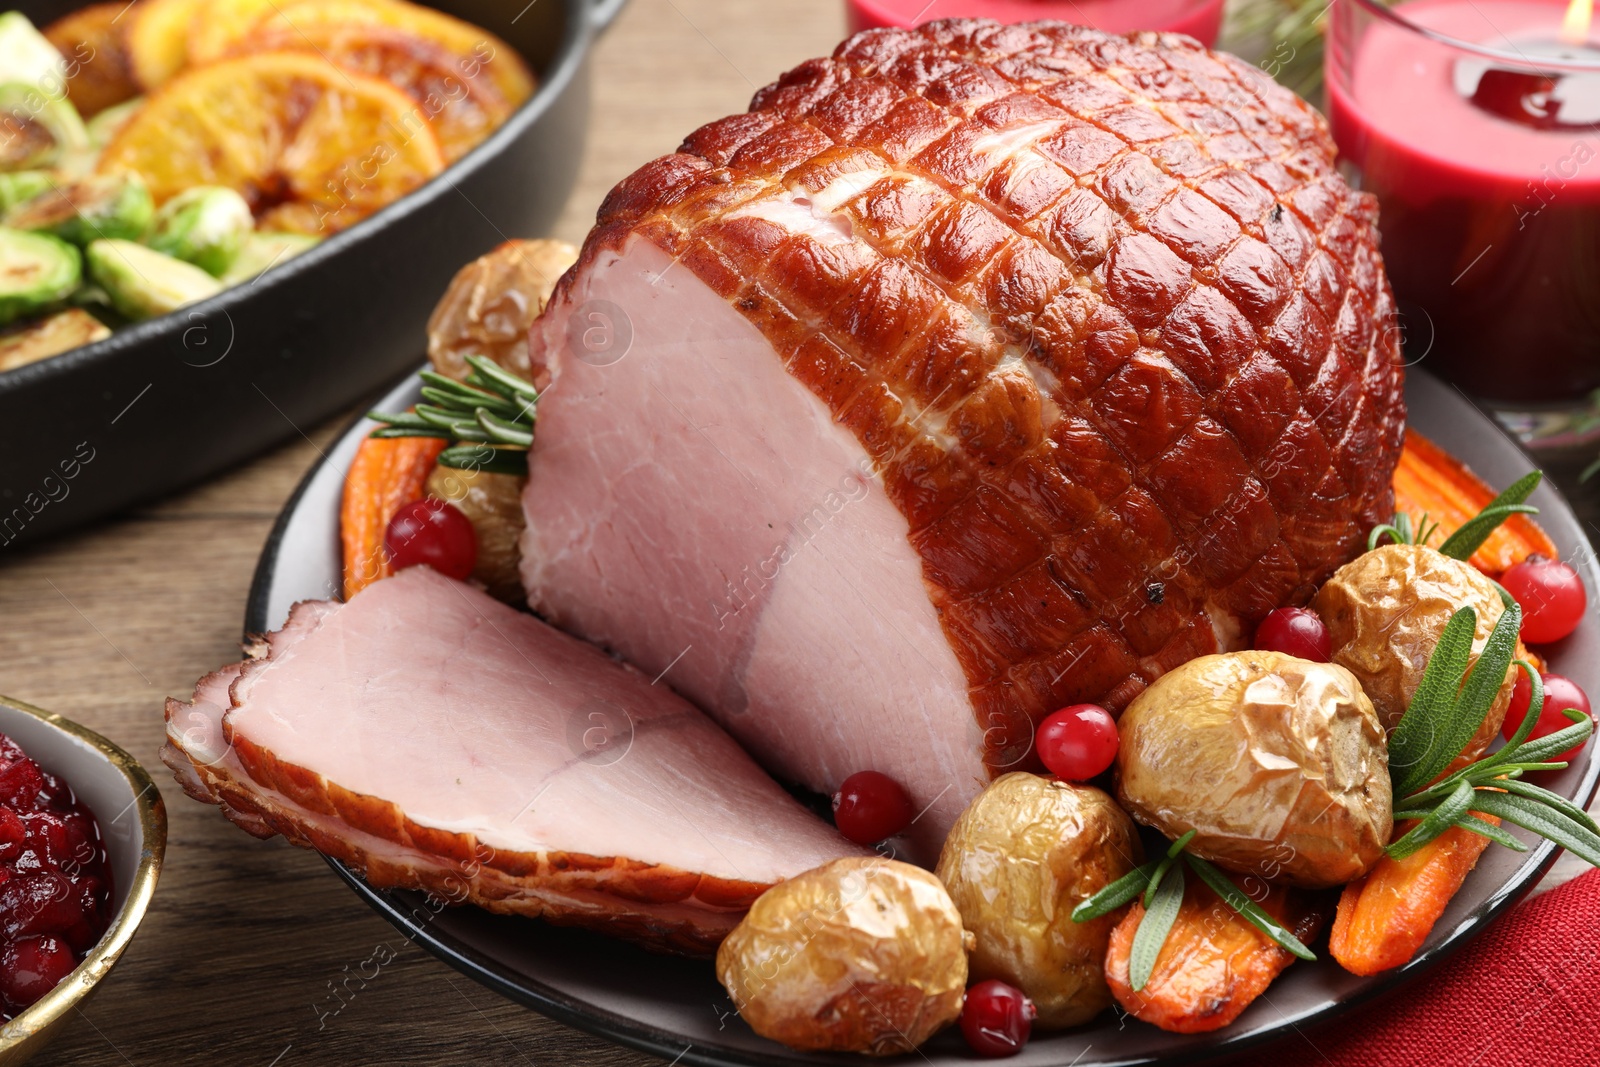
(313, 147)
(99, 71)
(463, 110)
(157, 39)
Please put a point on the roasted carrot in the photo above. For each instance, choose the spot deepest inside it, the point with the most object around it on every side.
(1430, 480)
(1213, 963)
(1384, 917)
(387, 473)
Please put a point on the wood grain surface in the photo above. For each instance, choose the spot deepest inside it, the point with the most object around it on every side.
(245, 940)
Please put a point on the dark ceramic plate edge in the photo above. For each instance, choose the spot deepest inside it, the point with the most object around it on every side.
(634, 1034)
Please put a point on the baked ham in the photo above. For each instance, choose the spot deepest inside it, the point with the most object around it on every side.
(486, 758)
(975, 371)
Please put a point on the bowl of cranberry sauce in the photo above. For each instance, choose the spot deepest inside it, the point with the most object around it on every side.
(82, 832)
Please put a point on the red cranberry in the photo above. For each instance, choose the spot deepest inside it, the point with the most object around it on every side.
(1559, 693)
(21, 784)
(870, 806)
(1297, 632)
(32, 967)
(997, 1019)
(435, 533)
(1078, 743)
(1551, 595)
(13, 835)
(47, 835)
(37, 902)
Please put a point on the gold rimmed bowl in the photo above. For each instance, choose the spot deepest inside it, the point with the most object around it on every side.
(133, 824)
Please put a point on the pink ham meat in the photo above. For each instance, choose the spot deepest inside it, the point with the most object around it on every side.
(436, 739)
(975, 371)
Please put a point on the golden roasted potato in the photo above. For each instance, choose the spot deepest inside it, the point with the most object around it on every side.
(1278, 764)
(863, 954)
(491, 303)
(1385, 611)
(1024, 854)
(493, 502)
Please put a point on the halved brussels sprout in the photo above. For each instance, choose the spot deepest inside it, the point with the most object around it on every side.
(95, 208)
(28, 57)
(22, 186)
(36, 271)
(205, 226)
(38, 124)
(61, 332)
(264, 250)
(143, 283)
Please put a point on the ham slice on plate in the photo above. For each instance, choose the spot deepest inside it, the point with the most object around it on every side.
(977, 370)
(439, 740)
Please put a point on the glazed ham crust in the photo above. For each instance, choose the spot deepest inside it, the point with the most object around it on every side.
(1112, 329)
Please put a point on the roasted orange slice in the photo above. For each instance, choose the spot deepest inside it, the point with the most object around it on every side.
(479, 53)
(158, 39)
(313, 147)
(463, 110)
(99, 72)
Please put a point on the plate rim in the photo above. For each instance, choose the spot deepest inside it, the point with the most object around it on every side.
(644, 1037)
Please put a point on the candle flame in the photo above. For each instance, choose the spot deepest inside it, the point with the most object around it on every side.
(1575, 27)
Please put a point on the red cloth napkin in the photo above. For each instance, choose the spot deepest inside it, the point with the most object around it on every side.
(1524, 994)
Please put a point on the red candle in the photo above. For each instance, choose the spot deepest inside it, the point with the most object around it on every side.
(1474, 122)
(1200, 19)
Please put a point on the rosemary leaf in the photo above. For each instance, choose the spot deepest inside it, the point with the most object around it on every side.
(1471, 536)
(1164, 865)
(1473, 824)
(1550, 800)
(492, 376)
(452, 400)
(1115, 895)
(1543, 748)
(486, 458)
(1434, 823)
(503, 432)
(405, 420)
(1547, 823)
(1159, 916)
(392, 432)
(1248, 909)
(1412, 738)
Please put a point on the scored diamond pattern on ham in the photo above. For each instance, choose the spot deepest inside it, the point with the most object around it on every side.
(1086, 333)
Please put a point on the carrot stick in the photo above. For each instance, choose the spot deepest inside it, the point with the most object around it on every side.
(1384, 917)
(386, 474)
(1213, 963)
(1430, 480)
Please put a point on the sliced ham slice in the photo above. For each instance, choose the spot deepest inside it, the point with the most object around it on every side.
(975, 371)
(436, 739)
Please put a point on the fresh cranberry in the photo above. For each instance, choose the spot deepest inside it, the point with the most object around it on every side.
(21, 783)
(997, 1019)
(13, 835)
(47, 835)
(1078, 743)
(435, 533)
(1297, 632)
(32, 967)
(870, 806)
(1559, 693)
(1551, 595)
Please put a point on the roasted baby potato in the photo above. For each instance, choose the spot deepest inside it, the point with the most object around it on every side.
(1024, 854)
(1278, 764)
(491, 303)
(862, 954)
(494, 504)
(1385, 611)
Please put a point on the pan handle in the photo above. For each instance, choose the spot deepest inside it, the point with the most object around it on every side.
(603, 12)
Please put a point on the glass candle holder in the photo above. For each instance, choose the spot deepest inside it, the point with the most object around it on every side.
(1474, 123)
(1200, 19)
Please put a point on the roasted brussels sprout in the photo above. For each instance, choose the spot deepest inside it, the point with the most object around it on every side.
(36, 271)
(142, 283)
(88, 209)
(494, 504)
(263, 251)
(1024, 854)
(863, 954)
(1385, 611)
(1278, 764)
(205, 226)
(20, 186)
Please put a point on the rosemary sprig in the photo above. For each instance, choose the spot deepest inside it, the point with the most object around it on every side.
(489, 418)
(1474, 532)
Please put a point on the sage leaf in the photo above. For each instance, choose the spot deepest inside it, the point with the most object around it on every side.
(1153, 929)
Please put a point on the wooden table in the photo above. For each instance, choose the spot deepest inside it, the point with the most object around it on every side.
(245, 939)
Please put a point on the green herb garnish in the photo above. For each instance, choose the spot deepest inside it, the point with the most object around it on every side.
(1473, 533)
(489, 417)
